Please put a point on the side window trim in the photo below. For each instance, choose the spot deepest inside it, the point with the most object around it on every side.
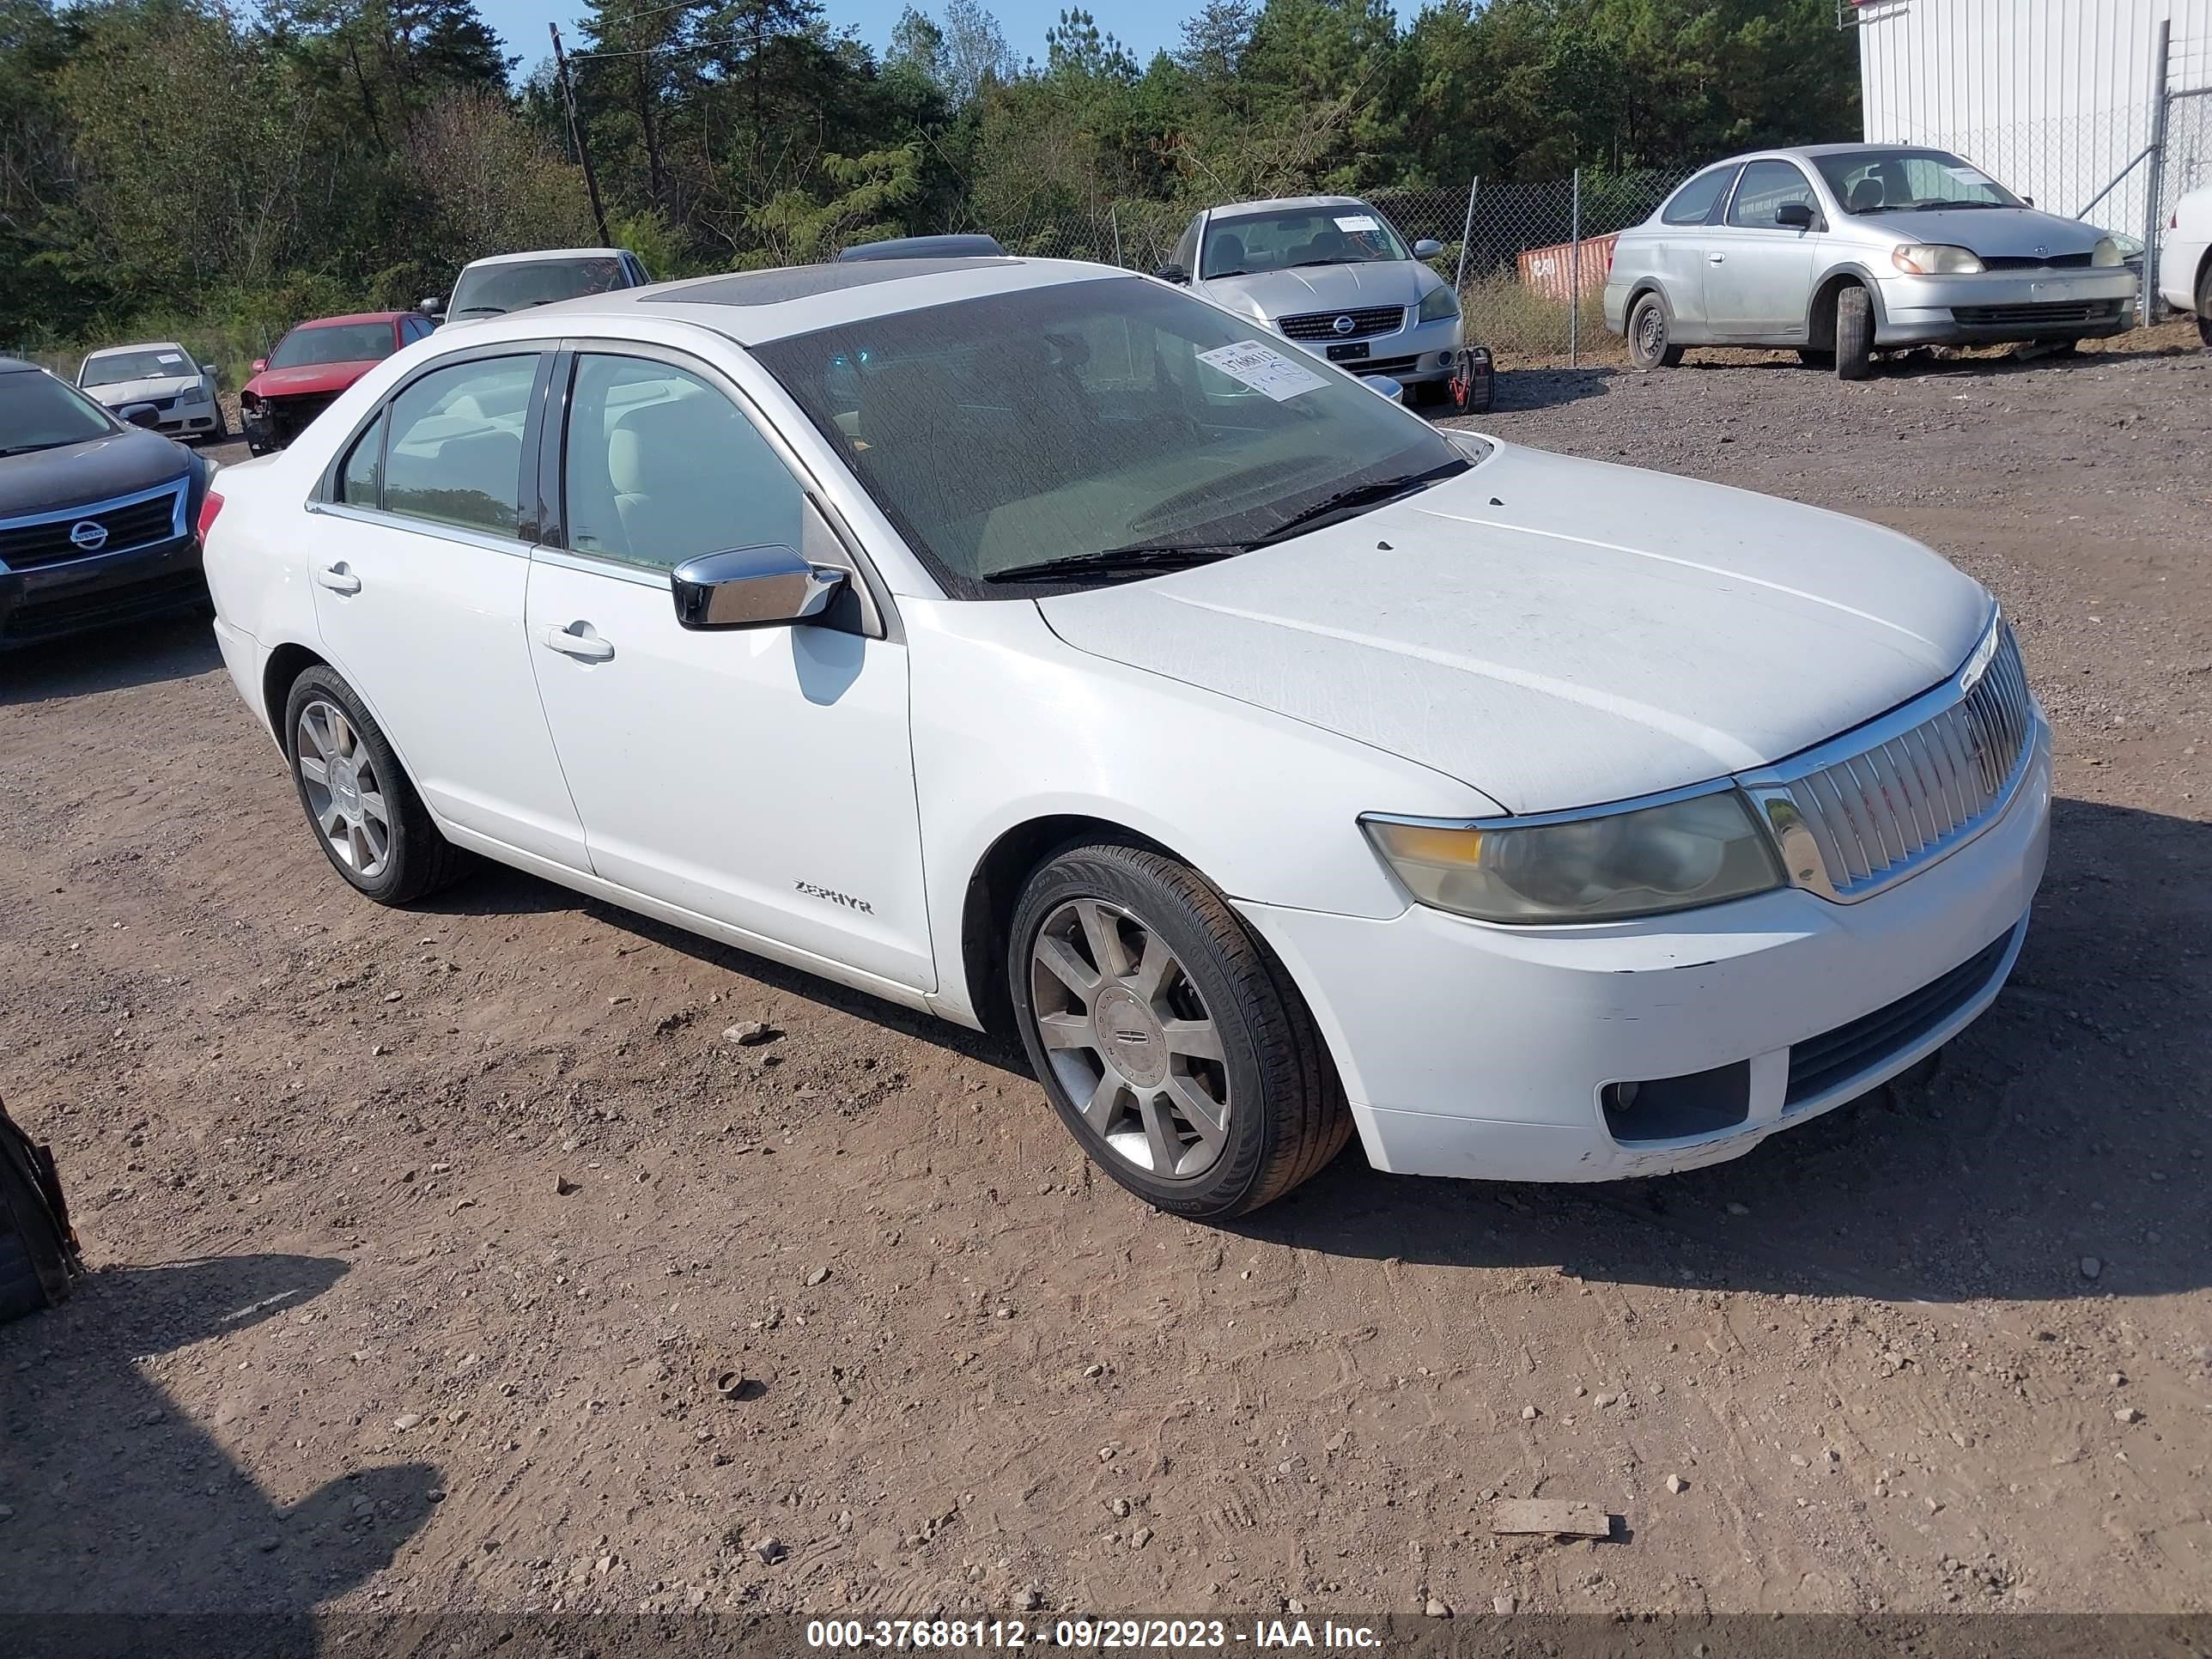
(880, 617)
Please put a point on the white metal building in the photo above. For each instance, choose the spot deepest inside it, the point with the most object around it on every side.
(2054, 97)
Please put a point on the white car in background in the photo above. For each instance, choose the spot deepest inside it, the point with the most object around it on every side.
(160, 372)
(1332, 274)
(516, 281)
(1034, 644)
(2184, 260)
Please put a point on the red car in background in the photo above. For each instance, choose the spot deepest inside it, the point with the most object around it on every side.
(312, 364)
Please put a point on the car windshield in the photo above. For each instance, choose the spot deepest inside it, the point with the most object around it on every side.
(161, 362)
(488, 290)
(1090, 418)
(37, 411)
(1909, 180)
(334, 343)
(1349, 235)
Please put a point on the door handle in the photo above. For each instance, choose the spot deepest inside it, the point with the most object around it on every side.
(337, 578)
(1716, 259)
(587, 647)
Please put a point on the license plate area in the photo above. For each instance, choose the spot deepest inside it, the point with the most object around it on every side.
(1349, 352)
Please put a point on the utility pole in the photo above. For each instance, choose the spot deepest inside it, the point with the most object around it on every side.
(2154, 184)
(576, 134)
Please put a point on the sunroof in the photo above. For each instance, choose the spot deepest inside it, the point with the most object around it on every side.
(767, 288)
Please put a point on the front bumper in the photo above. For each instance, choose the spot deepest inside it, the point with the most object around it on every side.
(2006, 306)
(272, 422)
(190, 420)
(52, 601)
(1474, 1050)
(1411, 355)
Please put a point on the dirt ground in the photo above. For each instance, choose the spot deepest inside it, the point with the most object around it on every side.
(454, 1260)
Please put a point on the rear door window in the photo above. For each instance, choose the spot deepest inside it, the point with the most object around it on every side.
(454, 455)
(1692, 204)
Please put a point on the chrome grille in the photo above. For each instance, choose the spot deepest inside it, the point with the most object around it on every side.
(1367, 322)
(1871, 815)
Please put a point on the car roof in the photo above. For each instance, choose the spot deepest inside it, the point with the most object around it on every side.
(545, 254)
(354, 317)
(754, 307)
(142, 345)
(1292, 203)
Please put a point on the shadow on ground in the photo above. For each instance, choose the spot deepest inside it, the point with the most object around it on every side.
(123, 1504)
(109, 660)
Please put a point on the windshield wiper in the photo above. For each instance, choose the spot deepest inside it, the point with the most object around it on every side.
(1931, 207)
(33, 449)
(1301, 264)
(1372, 494)
(1139, 560)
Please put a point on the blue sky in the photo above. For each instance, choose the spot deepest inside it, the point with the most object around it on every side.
(1145, 26)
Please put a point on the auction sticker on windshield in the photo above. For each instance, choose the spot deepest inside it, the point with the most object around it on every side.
(1265, 371)
(1356, 221)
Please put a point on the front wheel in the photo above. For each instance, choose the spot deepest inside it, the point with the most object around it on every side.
(1170, 1041)
(370, 822)
(1853, 334)
(2204, 308)
(1648, 337)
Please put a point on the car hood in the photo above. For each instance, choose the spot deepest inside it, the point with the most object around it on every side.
(1560, 633)
(308, 379)
(97, 470)
(142, 391)
(1993, 232)
(1273, 294)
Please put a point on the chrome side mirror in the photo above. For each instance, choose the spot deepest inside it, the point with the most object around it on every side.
(1427, 248)
(1385, 386)
(753, 587)
(140, 415)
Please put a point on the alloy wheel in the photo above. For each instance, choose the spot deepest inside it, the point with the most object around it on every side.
(344, 795)
(1130, 1039)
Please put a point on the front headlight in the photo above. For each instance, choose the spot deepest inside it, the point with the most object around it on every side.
(1600, 867)
(1437, 304)
(2106, 252)
(1936, 259)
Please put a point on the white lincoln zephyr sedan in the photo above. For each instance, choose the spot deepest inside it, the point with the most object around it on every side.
(1025, 642)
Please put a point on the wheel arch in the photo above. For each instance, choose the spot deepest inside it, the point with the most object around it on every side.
(995, 889)
(1821, 314)
(285, 665)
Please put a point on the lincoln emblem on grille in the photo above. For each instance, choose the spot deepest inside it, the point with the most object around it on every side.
(1344, 326)
(89, 535)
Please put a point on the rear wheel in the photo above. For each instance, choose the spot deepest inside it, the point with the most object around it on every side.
(1170, 1041)
(1853, 334)
(372, 825)
(1649, 336)
(2204, 306)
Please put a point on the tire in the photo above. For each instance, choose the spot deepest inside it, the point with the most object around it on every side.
(1649, 331)
(362, 790)
(1188, 967)
(1853, 334)
(2204, 306)
(1814, 357)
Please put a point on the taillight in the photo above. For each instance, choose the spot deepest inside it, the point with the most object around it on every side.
(209, 508)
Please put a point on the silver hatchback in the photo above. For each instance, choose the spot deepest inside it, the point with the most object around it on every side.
(1845, 250)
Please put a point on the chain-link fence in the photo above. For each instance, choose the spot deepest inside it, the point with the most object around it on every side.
(1529, 259)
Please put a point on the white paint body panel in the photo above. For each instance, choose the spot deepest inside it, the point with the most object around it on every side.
(1595, 633)
(1633, 632)
(2182, 258)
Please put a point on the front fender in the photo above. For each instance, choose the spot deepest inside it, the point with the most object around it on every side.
(1012, 725)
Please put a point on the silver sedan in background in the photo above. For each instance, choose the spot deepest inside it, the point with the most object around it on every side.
(1845, 250)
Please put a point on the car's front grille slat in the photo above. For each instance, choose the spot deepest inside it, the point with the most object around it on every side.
(134, 523)
(2057, 314)
(1907, 796)
(1823, 1063)
(1367, 322)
